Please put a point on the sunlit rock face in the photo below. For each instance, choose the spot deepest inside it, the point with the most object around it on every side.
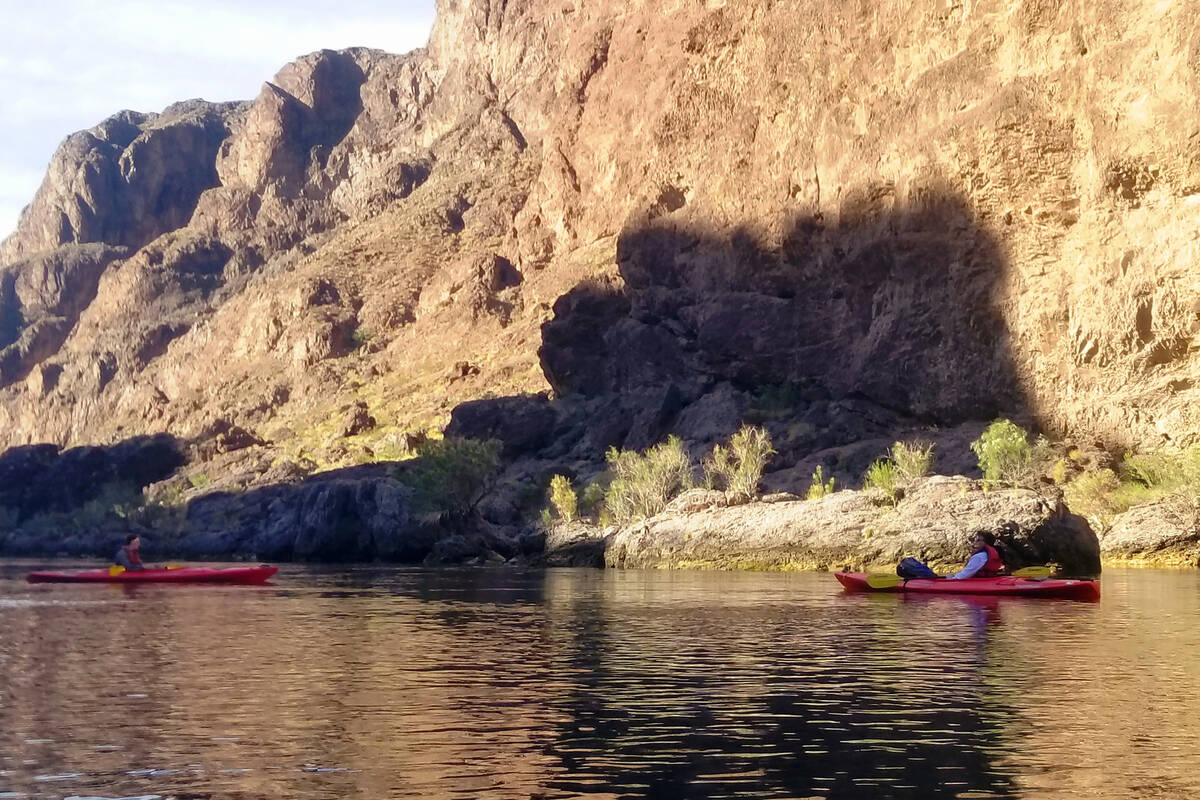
(903, 214)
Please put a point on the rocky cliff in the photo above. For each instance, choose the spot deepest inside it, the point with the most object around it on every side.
(846, 221)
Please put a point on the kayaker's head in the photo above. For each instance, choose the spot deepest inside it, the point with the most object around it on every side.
(983, 539)
(133, 541)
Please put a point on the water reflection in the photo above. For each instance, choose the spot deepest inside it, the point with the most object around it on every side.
(779, 700)
(375, 682)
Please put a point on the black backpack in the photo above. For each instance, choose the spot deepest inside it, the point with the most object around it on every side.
(911, 568)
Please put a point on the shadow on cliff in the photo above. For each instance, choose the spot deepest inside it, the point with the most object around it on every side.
(828, 332)
(894, 304)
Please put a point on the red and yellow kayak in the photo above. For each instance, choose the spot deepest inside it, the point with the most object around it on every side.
(258, 573)
(1004, 586)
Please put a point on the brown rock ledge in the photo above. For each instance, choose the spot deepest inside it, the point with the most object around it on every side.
(934, 522)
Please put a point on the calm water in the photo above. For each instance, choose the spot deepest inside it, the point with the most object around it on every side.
(377, 682)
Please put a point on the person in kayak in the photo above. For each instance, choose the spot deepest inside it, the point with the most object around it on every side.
(129, 555)
(985, 561)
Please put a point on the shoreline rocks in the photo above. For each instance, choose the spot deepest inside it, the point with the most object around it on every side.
(934, 522)
(1156, 535)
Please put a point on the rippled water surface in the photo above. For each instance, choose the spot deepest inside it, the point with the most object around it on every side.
(379, 682)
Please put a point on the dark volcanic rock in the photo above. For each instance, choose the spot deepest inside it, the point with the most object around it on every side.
(520, 424)
(40, 478)
(21, 469)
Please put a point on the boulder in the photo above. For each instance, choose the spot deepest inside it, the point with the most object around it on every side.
(357, 420)
(1161, 534)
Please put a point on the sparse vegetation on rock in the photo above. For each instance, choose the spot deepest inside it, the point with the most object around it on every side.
(433, 242)
(1004, 452)
(451, 474)
(819, 486)
(563, 498)
(737, 466)
(883, 477)
(643, 483)
(912, 460)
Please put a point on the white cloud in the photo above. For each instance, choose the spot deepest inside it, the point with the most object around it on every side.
(67, 64)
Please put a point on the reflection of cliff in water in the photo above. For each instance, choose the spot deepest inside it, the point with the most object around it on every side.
(678, 710)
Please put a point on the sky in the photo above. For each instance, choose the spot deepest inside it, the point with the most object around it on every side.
(65, 65)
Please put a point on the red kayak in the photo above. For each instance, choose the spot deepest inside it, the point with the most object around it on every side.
(258, 573)
(1003, 586)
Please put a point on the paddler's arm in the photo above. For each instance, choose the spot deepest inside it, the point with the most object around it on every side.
(974, 564)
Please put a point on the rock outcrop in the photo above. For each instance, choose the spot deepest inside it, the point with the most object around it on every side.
(849, 226)
(934, 522)
(1162, 534)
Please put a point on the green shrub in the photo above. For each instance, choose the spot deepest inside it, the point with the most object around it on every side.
(751, 449)
(199, 480)
(643, 484)
(453, 474)
(1155, 470)
(882, 475)
(738, 466)
(1100, 495)
(717, 465)
(819, 486)
(912, 460)
(1091, 496)
(563, 498)
(1004, 452)
(592, 499)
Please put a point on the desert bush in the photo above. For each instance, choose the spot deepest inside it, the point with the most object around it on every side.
(819, 486)
(1163, 469)
(453, 474)
(1175, 479)
(1005, 454)
(738, 466)
(751, 448)
(1100, 495)
(591, 499)
(643, 483)
(1091, 496)
(912, 460)
(563, 498)
(717, 465)
(882, 475)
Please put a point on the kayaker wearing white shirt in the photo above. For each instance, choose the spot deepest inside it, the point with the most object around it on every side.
(985, 561)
